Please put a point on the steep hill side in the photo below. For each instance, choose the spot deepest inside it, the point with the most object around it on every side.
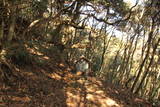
(53, 85)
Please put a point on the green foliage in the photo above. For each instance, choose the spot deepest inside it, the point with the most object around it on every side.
(39, 7)
(114, 62)
(20, 57)
(97, 63)
(119, 6)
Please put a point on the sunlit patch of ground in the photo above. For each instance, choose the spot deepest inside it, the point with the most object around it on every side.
(89, 94)
(36, 52)
(53, 85)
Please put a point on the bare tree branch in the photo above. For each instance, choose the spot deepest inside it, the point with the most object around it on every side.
(117, 21)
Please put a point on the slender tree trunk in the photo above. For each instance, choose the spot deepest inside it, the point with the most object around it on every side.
(11, 33)
(144, 60)
(127, 60)
(147, 70)
(104, 51)
(131, 59)
(2, 30)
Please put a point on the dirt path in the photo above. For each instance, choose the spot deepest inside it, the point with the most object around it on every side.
(56, 87)
(89, 93)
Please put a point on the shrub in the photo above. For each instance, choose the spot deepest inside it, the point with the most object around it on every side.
(20, 57)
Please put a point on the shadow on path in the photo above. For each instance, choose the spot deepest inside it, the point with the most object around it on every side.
(33, 89)
(89, 93)
(55, 87)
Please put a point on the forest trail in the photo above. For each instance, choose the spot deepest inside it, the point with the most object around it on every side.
(89, 93)
(54, 86)
(93, 92)
(43, 43)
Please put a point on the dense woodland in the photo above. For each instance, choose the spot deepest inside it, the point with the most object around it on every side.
(121, 40)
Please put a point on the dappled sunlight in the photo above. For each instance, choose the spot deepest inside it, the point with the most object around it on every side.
(98, 95)
(46, 57)
(72, 99)
(90, 94)
(78, 73)
(18, 101)
(61, 65)
(22, 99)
(55, 76)
(34, 88)
(104, 102)
(35, 51)
(79, 45)
(111, 102)
(81, 81)
(79, 53)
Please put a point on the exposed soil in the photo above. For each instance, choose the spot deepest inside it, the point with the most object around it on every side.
(53, 85)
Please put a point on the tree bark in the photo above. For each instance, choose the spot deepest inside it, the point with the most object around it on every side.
(144, 60)
(147, 70)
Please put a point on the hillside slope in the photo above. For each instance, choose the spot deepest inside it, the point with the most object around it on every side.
(53, 85)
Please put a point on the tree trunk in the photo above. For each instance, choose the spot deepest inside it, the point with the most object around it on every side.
(2, 30)
(147, 70)
(144, 60)
(11, 33)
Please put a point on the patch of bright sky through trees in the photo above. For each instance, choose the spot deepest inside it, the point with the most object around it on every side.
(96, 24)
